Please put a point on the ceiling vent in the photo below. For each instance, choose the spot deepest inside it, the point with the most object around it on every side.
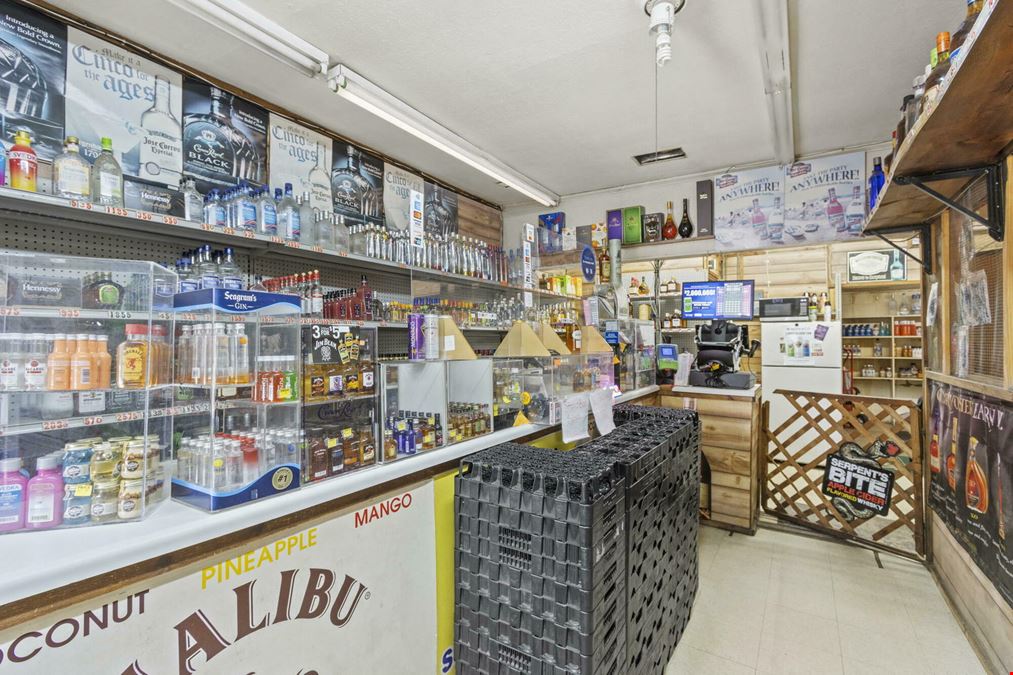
(660, 156)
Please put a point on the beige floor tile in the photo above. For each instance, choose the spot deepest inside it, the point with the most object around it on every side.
(733, 636)
(854, 666)
(692, 661)
(809, 592)
(952, 656)
(890, 650)
(786, 629)
(786, 661)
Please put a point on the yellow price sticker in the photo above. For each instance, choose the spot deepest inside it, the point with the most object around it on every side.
(83, 490)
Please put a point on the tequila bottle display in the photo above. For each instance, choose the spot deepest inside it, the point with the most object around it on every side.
(975, 482)
(352, 192)
(854, 215)
(319, 182)
(685, 226)
(71, 172)
(161, 152)
(107, 177)
(835, 212)
(439, 219)
(214, 149)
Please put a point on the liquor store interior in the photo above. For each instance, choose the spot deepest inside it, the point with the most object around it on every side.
(640, 337)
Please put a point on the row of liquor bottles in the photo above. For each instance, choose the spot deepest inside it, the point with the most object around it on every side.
(943, 453)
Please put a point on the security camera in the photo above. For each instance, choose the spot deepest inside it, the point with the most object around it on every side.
(662, 13)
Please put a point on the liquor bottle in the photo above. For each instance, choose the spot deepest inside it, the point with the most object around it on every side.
(193, 202)
(288, 215)
(267, 214)
(24, 164)
(228, 271)
(107, 177)
(775, 222)
(854, 215)
(307, 234)
(669, 231)
(897, 269)
(319, 181)
(835, 212)
(685, 226)
(71, 172)
(758, 219)
(957, 41)
(975, 482)
(876, 181)
(951, 459)
(604, 265)
(935, 79)
(161, 152)
(935, 462)
(101, 292)
(207, 270)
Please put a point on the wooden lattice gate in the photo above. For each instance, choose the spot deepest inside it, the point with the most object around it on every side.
(880, 433)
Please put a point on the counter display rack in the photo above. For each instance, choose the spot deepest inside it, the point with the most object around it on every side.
(85, 397)
(633, 343)
(238, 363)
(534, 386)
(413, 404)
(339, 399)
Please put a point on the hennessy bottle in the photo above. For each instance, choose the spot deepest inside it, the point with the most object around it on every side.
(669, 231)
(975, 482)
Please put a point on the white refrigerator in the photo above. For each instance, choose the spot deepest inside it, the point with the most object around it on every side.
(801, 356)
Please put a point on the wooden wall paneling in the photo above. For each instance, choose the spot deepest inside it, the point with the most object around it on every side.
(945, 287)
(475, 219)
(727, 460)
(726, 432)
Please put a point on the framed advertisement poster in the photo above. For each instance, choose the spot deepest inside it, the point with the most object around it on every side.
(302, 157)
(398, 185)
(824, 199)
(357, 183)
(880, 265)
(441, 210)
(748, 211)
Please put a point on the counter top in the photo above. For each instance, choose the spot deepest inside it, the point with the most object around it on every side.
(750, 393)
(36, 562)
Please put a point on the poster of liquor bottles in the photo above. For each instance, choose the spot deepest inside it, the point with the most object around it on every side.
(971, 477)
(33, 57)
(824, 199)
(440, 210)
(357, 184)
(397, 189)
(224, 138)
(116, 94)
(748, 209)
(302, 157)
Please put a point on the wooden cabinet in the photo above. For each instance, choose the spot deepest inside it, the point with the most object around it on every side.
(730, 439)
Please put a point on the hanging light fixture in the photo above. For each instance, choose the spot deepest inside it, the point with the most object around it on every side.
(662, 14)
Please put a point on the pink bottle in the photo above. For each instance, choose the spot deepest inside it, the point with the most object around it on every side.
(45, 495)
(13, 495)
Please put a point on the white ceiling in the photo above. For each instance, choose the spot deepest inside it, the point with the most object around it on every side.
(563, 91)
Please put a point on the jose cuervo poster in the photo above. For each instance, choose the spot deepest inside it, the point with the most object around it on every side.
(748, 210)
(825, 198)
(302, 157)
(397, 189)
(138, 104)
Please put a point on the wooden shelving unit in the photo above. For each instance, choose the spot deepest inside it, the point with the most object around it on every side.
(891, 344)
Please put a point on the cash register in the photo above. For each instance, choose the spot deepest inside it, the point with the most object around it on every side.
(720, 343)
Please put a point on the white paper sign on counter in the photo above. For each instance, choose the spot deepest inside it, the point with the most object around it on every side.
(601, 406)
(574, 414)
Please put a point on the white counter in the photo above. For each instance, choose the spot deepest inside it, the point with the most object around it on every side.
(35, 562)
(743, 393)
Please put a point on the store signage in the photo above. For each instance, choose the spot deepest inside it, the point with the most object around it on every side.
(588, 264)
(398, 185)
(859, 487)
(748, 209)
(441, 210)
(824, 199)
(302, 157)
(416, 223)
(357, 183)
(880, 265)
(298, 604)
(971, 477)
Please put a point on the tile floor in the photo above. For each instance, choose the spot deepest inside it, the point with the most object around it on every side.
(784, 603)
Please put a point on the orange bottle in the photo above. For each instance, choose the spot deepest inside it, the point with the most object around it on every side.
(58, 370)
(81, 375)
(24, 164)
(104, 361)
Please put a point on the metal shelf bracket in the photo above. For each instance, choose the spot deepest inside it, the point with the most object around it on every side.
(924, 239)
(995, 221)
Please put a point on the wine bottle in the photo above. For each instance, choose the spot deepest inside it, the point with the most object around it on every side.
(685, 226)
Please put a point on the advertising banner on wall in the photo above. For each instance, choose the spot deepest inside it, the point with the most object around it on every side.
(881, 265)
(441, 210)
(224, 138)
(357, 184)
(748, 210)
(302, 157)
(971, 465)
(824, 199)
(33, 61)
(397, 189)
(137, 103)
(310, 602)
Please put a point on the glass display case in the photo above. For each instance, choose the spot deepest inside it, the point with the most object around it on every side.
(633, 344)
(339, 398)
(469, 399)
(238, 396)
(413, 400)
(85, 390)
(535, 385)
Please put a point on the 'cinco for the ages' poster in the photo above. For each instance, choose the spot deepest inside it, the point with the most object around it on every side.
(136, 103)
(824, 199)
(224, 138)
(302, 157)
(357, 184)
(748, 210)
(33, 60)
(397, 189)
(971, 470)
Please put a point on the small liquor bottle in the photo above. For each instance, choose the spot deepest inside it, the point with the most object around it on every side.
(669, 231)
(24, 165)
(685, 225)
(976, 485)
(71, 172)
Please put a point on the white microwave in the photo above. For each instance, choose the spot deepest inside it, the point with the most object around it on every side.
(784, 309)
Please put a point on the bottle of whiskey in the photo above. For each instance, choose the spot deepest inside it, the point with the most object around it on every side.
(975, 482)
(604, 265)
(957, 41)
(685, 226)
(669, 231)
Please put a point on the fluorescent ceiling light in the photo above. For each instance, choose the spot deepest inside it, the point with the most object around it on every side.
(775, 64)
(659, 156)
(255, 29)
(368, 96)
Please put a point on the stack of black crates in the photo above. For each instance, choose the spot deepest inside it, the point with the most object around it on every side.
(582, 561)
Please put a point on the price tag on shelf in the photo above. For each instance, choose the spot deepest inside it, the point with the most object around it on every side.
(69, 313)
(119, 314)
(146, 215)
(291, 243)
(12, 310)
(170, 220)
(231, 231)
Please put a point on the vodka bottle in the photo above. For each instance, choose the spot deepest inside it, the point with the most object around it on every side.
(324, 230)
(246, 208)
(854, 215)
(319, 181)
(161, 152)
(316, 295)
(207, 270)
(267, 214)
(187, 277)
(228, 270)
(835, 212)
(71, 172)
(288, 215)
(193, 203)
(107, 177)
(24, 163)
(341, 235)
(214, 214)
(307, 234)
